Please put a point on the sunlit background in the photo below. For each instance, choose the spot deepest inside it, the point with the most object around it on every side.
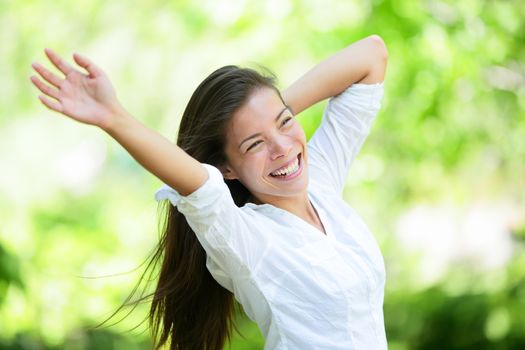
(440, 180)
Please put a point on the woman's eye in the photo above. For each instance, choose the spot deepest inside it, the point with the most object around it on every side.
(286, 121)
(254, 144)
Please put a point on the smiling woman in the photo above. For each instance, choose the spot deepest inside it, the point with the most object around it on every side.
(256, 212)
(262, 161)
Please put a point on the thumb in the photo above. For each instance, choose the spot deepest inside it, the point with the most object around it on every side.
(86, 63)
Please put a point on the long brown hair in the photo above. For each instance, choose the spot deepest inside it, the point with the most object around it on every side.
(189, 309)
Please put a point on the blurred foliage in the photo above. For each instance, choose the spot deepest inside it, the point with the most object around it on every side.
(9, 272)
(77, 213)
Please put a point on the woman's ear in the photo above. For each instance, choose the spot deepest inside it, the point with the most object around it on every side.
(227, 172)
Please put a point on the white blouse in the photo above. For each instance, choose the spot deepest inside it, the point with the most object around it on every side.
(304, 289)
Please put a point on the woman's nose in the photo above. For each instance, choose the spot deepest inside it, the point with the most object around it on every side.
(280, 147)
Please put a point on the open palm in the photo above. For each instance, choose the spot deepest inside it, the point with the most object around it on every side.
(88, 98)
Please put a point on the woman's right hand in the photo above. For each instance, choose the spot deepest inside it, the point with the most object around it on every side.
(88, 98)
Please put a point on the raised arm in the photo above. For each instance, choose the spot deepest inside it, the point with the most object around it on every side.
(91, 99)
(361, 62)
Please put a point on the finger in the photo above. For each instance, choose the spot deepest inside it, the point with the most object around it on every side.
(53, 105)
(46, 89)
(62, 65)
(47, 75)
(84, 62)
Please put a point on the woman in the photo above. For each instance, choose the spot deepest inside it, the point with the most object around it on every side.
(256, 213)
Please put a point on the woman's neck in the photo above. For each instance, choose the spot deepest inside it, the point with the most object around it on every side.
(299, 205)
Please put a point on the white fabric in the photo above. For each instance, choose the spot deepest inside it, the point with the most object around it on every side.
(305, 290)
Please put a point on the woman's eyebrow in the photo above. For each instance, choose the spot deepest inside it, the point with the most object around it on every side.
(259, 134)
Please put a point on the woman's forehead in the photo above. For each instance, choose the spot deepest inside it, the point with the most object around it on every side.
(263, 98)
(263, 105)
(260, 111)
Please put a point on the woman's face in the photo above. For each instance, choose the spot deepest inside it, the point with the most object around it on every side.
(266, 148)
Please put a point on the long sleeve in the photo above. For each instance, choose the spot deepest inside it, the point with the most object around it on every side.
(220, 226)
(345, 125)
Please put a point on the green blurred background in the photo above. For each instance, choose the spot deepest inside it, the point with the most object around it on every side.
(440, 180)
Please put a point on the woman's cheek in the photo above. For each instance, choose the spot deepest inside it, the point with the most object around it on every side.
(262, 161)
(297, 131)
(253, 163)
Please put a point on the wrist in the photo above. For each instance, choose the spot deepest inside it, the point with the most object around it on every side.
(117, 118)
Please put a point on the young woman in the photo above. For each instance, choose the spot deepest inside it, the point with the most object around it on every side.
(256, 212)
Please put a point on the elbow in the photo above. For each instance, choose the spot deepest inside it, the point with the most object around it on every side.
(378, 57)
(379, 47)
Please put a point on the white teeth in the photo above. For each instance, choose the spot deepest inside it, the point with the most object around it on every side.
(292, 168)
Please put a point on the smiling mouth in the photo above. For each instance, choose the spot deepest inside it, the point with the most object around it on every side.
(288, 171)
